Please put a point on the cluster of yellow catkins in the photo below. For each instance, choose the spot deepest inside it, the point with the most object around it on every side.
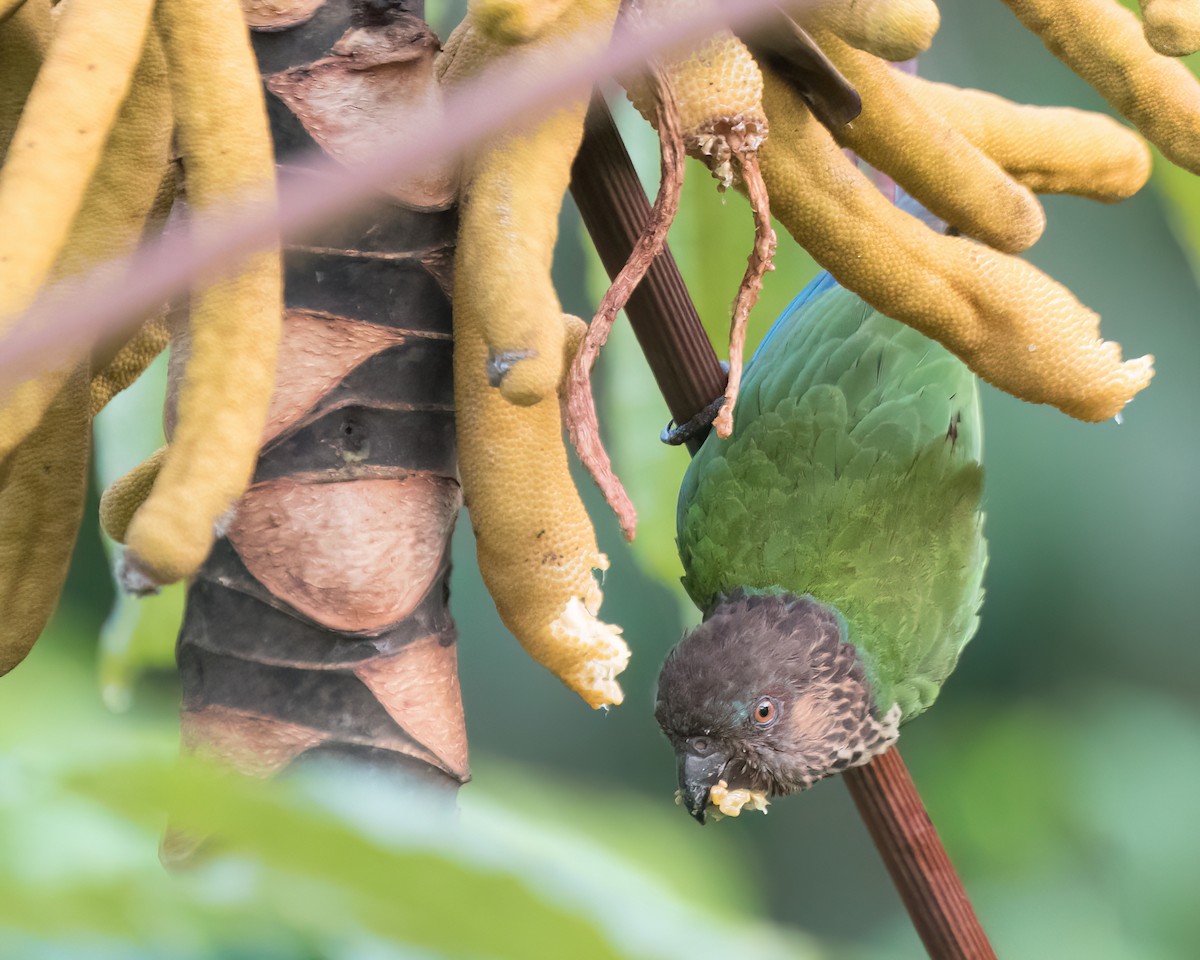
(95, 99)
(973, 159)
(91, 95)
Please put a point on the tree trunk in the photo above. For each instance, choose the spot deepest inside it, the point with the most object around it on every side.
(320, 623)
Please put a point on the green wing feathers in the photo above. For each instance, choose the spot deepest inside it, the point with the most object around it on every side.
(854, 475)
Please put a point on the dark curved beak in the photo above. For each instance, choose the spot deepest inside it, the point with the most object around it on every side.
(697, 776)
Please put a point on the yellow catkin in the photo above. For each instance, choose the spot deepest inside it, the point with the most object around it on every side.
(718, 93)
(891, 29)
(9, 7)
(515, 21)
(1048, 149)
(1172, 27)
(906, 139)
(574, 330)
(60, 138)
(118, 361)
(536, 548)
(535, 544)
(1103, 43)
(1011, 324)
(129, 363)
(122, 499)
(42, 489)
(234, 323)
(110, 220)
(23, 39)
(513, 190)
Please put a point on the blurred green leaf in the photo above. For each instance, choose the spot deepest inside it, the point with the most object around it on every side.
(426, 897)
(653, 835)
(331, 862)
(1053, 810)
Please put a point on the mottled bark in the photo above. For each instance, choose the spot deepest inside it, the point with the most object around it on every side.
(319, 625)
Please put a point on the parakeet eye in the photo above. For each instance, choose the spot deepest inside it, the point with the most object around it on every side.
(764, 712)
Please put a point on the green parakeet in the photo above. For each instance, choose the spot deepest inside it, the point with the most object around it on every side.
(835, 545)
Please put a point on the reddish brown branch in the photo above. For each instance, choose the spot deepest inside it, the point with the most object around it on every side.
(761, 260)
(581, 406)
(615, 211)
(888, 801)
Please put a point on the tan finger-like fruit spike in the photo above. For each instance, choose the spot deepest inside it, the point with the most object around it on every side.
(9, 7)
(515, 21)
(718, 95)
(1048, 149)
(110, 221)
(535, 544)
(1104, 44)
(60, 138)
(122, 499)
(129, 362)
(118, 361)
(234, 323)
(1172, 27)
(23, 39)
(24, 35)
(1011, 324)
(891, 29)
(44, 435)
(42, 488)
(902, 136)
(513, 189)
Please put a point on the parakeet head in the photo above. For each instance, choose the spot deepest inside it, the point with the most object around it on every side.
(767, 694)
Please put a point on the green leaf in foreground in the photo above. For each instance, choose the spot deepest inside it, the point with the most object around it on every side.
(425, 897)
(331, 854)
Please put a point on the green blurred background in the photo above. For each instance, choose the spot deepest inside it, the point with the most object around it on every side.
(1061, 765)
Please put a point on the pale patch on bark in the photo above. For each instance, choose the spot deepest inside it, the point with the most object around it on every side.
(315, 354)
(419, 689)
(293, 537)
(253, 745)
(267, 16)
(378, 82)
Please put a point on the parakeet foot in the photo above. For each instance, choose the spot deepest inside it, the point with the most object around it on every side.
(697, 428)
